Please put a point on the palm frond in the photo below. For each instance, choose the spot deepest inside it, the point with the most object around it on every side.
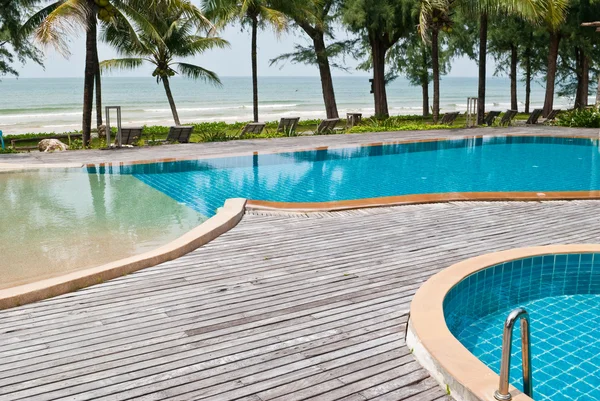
(63, 22)
(143, 24)
(34, 21)
(121, 64)
(197, 45)
(196, 72)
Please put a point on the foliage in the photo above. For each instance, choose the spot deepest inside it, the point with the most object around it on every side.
(397, 123)
(316, 19)
(169, 31)
(214, 136)
(14, 43)
(584, 118)
(406, 127)
(577, 43)
(224, 12)
(75, 144)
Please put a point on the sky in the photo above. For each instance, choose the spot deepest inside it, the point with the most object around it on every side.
(234, 61)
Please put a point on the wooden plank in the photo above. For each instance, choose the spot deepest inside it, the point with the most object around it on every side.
(243, 318)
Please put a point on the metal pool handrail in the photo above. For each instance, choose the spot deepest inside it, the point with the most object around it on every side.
(502, 394)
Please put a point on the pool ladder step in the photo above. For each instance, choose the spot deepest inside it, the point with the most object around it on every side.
(502, 394)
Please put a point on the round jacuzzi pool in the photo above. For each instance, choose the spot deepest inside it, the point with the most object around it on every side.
(562, 295)
(561, 292)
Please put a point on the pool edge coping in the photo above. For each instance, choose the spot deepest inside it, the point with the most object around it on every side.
(273, 151)
(422, 199)
(434, 346)
(226, 218)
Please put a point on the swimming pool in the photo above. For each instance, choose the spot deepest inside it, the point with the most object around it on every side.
(62, 220)
(57, 221)
(489, 164)
(561, 292)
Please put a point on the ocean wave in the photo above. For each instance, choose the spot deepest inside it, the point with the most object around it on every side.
(40, 115)
(241, 107)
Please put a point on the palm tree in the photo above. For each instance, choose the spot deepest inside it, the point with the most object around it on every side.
(256, 13)
(553, 18)
(315, 18)
(435, 17)
(552, 12)
(170, 33)
(56, 22)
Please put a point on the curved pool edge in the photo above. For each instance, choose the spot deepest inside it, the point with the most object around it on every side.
(226, 218)
(434, 346)
(421, 199)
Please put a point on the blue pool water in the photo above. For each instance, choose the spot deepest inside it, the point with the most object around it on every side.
(562, 295)
(466, 165)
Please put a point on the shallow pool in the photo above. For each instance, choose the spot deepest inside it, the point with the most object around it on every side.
(562, 295)
(496, 164)
(56, 221)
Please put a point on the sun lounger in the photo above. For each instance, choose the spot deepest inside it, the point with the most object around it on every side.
(130, 136)
(508, 116)
(252, 128)
(326, 126)
(180, 134)
(552, 116)
(449, 118)
(491, 117)
(534, 117)
(288, 125)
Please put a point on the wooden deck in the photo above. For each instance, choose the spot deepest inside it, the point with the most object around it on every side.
(283, 307)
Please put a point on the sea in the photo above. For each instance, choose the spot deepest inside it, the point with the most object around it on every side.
(29, 105)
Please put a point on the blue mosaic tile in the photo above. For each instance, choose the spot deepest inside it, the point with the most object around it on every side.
(498, 164)
(562, 295)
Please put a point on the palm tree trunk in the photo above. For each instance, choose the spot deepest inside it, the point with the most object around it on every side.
(598, 93)
(88, 80)
(254, 18)
(513, 77)
(578, 71)
(167, 86)
(325, 73)
(379, 93)
(435, 61)
(483, 31)
(528, 75)
(425, 83)
(425, 94)
(98, 92)
(551, 72)
(585, 80)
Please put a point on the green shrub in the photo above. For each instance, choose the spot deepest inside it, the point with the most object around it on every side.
(396, 123)
(75, 144)
(214, 136)
(586, 118)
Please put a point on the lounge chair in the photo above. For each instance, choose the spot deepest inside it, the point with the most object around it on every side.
(180, 134)
(326, 126)
(252, 128)
(508, 116)
(534, 117)
(130, 136)
(449, 118)
(491, 117)
(552, 116)
(288, 125)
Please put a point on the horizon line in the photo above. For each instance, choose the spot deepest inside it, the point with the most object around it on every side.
(231, 76)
